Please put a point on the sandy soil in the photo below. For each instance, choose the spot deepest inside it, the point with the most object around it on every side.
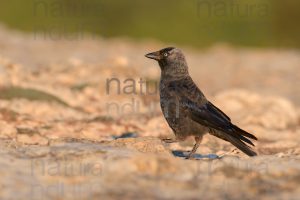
(67, 132)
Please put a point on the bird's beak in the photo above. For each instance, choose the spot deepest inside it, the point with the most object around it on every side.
(154, 55)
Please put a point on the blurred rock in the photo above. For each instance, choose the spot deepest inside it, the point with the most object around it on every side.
(145, 144)
(252, 109)
(120, 61)
(29, 136)
(32, 139)
(7, 130)
(157, 126)
(54, 151)
(123, 170)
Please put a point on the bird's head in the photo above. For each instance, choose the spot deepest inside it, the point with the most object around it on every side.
(171, 61)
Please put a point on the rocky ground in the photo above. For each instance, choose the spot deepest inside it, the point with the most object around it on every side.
(68, 130)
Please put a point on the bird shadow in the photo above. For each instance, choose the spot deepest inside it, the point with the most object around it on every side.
(126, 135)
(184, 154)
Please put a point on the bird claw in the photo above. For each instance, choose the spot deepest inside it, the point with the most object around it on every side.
(190, 158)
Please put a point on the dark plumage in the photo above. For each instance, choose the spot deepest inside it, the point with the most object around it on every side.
(187, 110)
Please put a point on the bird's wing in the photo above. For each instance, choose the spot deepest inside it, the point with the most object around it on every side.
(202, 111)
(207, 114)
(198, 107)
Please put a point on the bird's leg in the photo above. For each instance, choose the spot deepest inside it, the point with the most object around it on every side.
(198, 140)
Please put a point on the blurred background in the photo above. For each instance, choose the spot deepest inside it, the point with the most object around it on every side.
(197, 23)
(80, 115)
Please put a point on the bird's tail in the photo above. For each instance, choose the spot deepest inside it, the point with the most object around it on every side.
(241, 139)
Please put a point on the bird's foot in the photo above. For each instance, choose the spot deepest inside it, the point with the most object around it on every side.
(190, 156)
(194, 150)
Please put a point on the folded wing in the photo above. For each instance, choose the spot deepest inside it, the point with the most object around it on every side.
(202, 111)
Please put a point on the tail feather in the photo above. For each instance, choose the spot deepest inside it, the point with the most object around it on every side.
(244, 133)
(240, 139)
(244, 139)
(242, 146)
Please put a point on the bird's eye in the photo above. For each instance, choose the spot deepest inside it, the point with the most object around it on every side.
(166, 54)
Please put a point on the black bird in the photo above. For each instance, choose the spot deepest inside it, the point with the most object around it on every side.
(187, 110)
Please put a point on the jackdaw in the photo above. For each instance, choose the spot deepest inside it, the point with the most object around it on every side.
(187, 110)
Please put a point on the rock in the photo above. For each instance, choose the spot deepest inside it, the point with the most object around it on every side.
(29, 136)
(7, 130)
(157, 126)
(54, 151)
(142, 144)
(32, 140)
(95, 131)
